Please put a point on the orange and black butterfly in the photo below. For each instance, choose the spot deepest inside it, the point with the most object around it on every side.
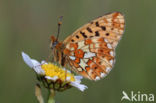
(90, 50)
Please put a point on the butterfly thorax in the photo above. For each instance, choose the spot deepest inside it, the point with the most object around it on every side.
(57, 48)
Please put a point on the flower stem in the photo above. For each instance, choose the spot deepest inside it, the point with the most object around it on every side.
(51, 96)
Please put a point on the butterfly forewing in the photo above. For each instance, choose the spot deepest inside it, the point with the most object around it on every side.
(90, 50)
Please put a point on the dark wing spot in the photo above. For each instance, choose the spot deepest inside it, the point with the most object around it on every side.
(107, 34)
(91, 36)
(103, 28)
(72, 40)
(101, 50)
(95, 67)
(89, 30)
(83, 34)
(77, 36)
(100, 63)
(97, 23)
(97, 33)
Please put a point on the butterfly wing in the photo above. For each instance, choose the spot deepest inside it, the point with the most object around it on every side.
(90, 50)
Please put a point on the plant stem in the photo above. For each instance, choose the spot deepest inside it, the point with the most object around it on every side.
(51, 96)
(38, 93)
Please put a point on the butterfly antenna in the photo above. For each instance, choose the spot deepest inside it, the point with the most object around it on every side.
(59, 25)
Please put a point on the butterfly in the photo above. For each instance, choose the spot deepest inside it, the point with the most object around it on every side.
(90, 50)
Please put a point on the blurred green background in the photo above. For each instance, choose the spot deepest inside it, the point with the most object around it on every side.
(26, 25)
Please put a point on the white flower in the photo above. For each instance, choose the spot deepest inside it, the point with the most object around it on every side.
(53, 73)
(32, 63)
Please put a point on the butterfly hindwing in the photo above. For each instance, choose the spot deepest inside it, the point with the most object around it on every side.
(91, 58)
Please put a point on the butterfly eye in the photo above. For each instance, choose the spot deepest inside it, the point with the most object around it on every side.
(53, 44)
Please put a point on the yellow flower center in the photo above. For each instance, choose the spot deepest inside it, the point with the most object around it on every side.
(53, 70)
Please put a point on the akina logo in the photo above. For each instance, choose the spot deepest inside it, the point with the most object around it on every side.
(137, 96)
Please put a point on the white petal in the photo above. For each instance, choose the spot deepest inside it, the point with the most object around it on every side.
(78, 79)
(32, 63)
(27, 60)
(52, 78)
(68, 78)
(37, 67)
(35, 62)
(64, 69)
(43, 62)
(79, 86)
(68, 71)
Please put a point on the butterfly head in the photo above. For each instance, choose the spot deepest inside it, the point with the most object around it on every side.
(55, 43)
